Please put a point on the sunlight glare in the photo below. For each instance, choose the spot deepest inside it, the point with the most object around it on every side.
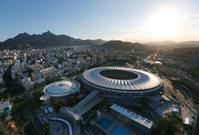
(164, 24)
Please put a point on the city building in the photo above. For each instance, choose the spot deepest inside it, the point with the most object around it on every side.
(48, 72)
(27, 83)
(5, 107)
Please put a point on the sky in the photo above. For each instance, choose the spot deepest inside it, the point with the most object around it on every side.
(129, 20)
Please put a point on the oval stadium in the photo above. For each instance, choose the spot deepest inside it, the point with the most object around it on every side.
(121, 80)
(61, 88)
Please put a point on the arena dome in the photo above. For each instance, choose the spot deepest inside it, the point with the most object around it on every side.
(61, 88)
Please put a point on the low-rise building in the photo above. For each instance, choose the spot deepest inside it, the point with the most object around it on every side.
(5, 107)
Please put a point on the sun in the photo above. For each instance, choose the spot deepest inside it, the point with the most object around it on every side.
(164, 24)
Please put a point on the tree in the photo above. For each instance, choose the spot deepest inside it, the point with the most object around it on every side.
(3, 130)
(28, 129)
(57, 105)
(18, 112)
(195, 72)
(36, 102)
(45, 129)
(169, 125)
(60, 60)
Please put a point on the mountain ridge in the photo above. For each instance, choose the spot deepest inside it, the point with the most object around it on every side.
(46, 39)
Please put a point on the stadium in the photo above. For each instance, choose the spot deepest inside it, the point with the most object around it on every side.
(118, 82)
(61, 88)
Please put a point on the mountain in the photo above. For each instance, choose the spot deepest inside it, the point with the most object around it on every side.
(120, 45)
(163, 43)
(191, 44)
(44, 40)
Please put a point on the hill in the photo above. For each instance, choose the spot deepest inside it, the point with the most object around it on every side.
(184, 44)
(120, 45)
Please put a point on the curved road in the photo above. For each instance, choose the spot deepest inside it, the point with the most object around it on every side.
(65, 122)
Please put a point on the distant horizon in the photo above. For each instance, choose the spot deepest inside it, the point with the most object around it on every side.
(126, 20)
(102, 39)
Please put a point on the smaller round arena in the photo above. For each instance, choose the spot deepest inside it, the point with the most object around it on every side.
(62, 88)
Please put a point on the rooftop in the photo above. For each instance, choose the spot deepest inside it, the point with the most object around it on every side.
(133, 116)
(4, 105)
(61, 88)
(121, 79)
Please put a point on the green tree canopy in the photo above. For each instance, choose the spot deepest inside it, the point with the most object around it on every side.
(18, 111)
(169, 125)
(57, 105)
(45, 129)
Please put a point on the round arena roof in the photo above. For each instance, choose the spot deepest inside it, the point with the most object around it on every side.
(61, 88)
(120, 79)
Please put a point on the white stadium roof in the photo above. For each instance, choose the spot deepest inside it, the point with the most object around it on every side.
(144, 80)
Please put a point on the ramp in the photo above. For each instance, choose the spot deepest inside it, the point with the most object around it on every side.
(87, 103)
